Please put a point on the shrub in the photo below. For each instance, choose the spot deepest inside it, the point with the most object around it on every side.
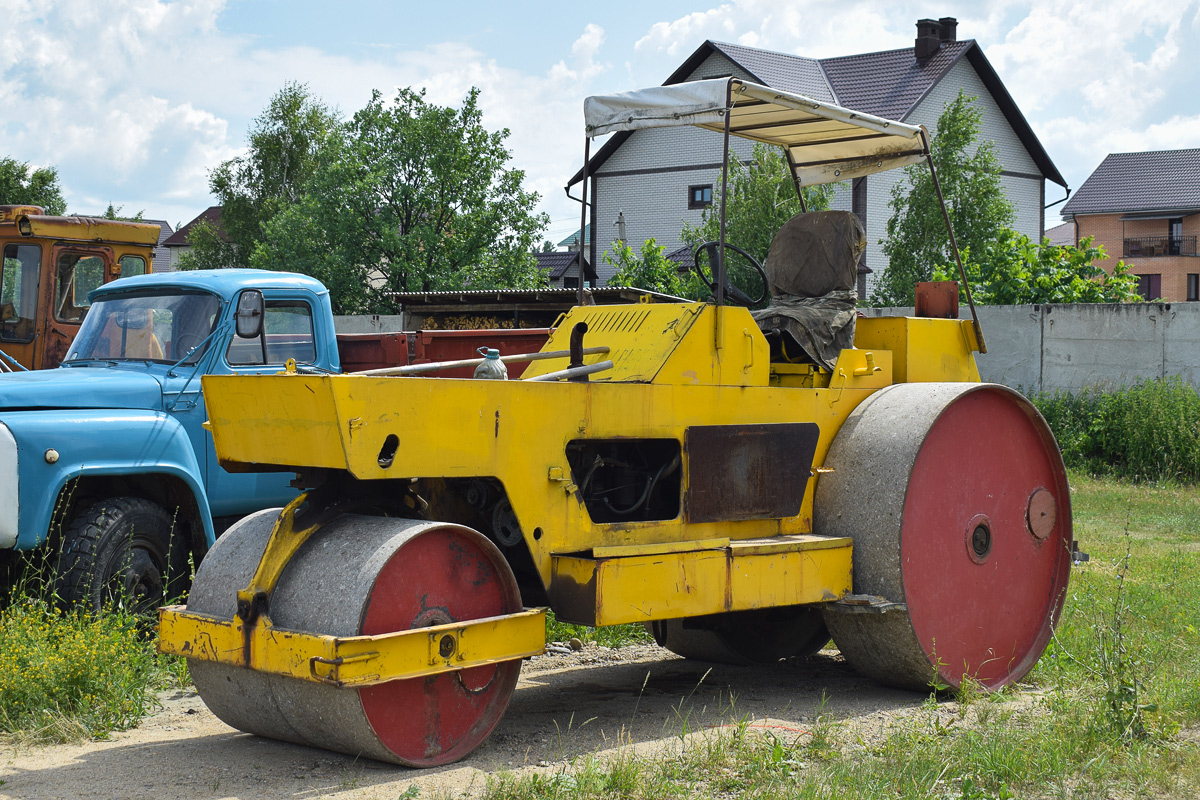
(1149, 431)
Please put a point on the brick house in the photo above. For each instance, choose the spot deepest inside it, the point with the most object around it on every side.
(1145, 208)
(655, 180)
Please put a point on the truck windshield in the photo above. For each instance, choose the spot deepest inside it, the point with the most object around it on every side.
(146, 327)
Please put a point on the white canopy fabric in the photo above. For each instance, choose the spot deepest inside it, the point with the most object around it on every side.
(824, 143)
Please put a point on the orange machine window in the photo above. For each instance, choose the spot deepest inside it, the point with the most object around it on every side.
(76, 275)
(132, 265)
(18, 292)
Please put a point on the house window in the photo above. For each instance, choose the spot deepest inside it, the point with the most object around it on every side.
(699, 196)
(1193, 286)
(1175, 236)
(1150, 286)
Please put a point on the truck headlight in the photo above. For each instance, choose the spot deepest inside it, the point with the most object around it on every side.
(8, 488)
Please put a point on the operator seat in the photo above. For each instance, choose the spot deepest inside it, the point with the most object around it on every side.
(812, 268)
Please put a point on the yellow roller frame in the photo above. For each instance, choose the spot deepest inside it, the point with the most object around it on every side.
(351, 661)
(616, 585)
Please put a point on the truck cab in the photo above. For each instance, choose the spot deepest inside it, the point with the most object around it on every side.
(107, 456)
(50, 266)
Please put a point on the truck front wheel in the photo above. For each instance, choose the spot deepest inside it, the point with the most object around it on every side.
(119, 551)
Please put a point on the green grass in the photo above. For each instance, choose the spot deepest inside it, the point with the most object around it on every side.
(611, 636)
(1111, 710)
(70, 675)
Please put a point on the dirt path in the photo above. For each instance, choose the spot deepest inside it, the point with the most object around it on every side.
(565, 706)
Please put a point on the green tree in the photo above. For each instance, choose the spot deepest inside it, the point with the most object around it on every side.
(114, 212)
(1014, 270)
(969, 174)
(652, 271)
(413, 197)
(285, 145)
(208, 248)
(20, 184)
(762, 196)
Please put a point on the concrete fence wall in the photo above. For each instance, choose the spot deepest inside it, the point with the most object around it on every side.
(1070, 347)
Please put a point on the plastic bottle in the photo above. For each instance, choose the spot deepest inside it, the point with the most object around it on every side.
(492, 367)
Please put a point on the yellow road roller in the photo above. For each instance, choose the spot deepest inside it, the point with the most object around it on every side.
(745, 484)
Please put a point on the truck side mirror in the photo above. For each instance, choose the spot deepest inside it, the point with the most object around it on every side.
(249, 314)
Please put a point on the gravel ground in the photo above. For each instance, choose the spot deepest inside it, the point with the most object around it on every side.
(567, 704)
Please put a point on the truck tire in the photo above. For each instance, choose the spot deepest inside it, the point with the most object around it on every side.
(119, 551)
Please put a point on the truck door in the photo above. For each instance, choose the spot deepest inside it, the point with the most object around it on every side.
(287, 334)
(19, 303)
(77, 270)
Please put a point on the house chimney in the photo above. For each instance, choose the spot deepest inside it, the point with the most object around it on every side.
(949, 29)
(929, 38)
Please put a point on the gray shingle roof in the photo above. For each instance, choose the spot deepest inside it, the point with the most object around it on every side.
(890, 83)
(559, 263)
(179, 238)
(683, 256)
(1061, 234)
(1158, 180)
(781, 70)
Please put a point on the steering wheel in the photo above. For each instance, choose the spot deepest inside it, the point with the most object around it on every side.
(186, 341)
(731, 291)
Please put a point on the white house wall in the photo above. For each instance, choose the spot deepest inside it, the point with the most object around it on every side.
(1026, 196)
(879, 197)
(1020, 176)
(994, 127)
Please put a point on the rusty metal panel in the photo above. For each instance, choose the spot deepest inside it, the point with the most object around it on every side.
(741, 472)
(937, 299)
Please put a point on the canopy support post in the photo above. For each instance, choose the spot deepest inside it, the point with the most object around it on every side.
(583, 196)
(962, 272)
(791, 165)
(719, 267)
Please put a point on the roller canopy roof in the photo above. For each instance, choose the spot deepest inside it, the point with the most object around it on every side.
(824, 142)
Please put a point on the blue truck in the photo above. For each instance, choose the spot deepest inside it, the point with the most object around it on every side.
(106, 457)
(107, 473)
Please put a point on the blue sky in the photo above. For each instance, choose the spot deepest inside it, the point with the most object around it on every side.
(136, 100)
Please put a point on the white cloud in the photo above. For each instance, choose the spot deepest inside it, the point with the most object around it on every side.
(135, 100)
(1067, 47)
(681, 36)
(814, 28)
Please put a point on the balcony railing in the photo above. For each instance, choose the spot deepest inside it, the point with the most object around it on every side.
(1152, 246)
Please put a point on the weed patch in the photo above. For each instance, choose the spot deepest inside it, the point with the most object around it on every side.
(611, 636)
(70, 675)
